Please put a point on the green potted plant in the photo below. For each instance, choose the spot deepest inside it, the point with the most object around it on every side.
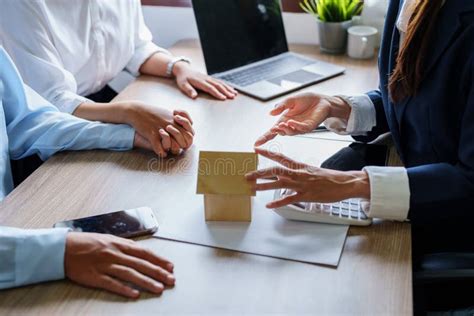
(334, 17)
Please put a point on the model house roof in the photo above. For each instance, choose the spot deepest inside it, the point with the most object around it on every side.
(224, 172)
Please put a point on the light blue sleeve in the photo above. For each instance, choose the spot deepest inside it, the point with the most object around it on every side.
(36, 127)
(31, 256)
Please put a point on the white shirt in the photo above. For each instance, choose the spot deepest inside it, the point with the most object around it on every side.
(389, 186)
(69, 49)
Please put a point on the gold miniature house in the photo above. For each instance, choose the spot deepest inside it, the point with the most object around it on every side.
(221, 179)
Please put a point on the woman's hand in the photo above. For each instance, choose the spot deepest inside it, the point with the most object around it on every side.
(303, 113)
(189, 80)
(112, 263)
(159, 129)
(310, 184)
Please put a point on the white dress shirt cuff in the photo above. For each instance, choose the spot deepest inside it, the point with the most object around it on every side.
(389, 193)
(361, 120)
(68, 101)
(39, 255)
(141, 55)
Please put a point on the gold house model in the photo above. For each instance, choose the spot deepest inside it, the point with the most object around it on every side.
(221, 179)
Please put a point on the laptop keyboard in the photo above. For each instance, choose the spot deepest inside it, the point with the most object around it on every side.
(265, 71)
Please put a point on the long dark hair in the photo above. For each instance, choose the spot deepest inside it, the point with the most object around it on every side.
(410, 69)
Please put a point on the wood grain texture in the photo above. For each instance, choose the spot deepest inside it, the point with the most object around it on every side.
(374, 275)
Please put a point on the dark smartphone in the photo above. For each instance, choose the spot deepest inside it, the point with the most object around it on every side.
(127, 223)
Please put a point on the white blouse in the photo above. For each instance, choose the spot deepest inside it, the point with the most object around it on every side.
(69, 49)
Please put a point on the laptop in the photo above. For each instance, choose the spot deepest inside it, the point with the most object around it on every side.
(244, 44)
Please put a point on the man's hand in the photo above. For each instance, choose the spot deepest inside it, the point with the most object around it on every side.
(159, 129)
(302, 113)
(115, 264)
(189, 80)
(309, 184)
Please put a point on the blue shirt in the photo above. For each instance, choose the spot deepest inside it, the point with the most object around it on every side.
(30, 125)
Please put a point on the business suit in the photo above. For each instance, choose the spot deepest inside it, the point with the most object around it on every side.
(434, 129)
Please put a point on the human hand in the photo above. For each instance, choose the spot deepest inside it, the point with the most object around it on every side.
(189, 80)
(310, 184)
(112, 263)
(302, 113)
(159, 129)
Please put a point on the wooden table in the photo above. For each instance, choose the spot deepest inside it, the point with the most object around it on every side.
(374, 275)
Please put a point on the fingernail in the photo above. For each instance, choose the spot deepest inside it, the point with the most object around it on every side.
(158, 287)
(170, 266)
(135, 293)
(170, 279)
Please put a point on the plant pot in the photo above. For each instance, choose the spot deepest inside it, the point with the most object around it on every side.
(333, 36)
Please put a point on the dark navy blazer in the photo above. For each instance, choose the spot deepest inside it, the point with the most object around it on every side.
(434, 130)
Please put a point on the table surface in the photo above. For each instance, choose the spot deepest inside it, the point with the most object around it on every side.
(374, 274)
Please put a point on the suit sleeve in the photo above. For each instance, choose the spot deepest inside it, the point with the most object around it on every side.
(446, 190)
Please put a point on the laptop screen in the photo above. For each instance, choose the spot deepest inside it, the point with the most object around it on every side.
(235, 33)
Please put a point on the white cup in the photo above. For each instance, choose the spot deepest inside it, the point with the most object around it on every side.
(362, 41)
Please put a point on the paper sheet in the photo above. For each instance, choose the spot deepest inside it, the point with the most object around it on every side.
(268, 234)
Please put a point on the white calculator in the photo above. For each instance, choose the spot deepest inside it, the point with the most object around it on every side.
(348, 212)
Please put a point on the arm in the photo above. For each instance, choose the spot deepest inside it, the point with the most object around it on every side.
(149, 59)
(36, 55)
(36, 127)
(31, 256)
(93, 260)
(302, 113)
(446, 190)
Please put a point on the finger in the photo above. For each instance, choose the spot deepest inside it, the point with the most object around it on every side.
(265, 138)
(289, 199)
(206, 87)
(157, 147)
(286, 130)
(184, 123)
(132, 276)
(230, 88)
(146, 254)
(301, 127)
(110, 284)
(280, 130)
(189, 138)
(221, 88)
(188, 89)
(280, 158)
(270, 172)
(165, 140)
(147, 268)
(176, 134)
(274, 185)
(183, 114)
(175, 149)
(281, 107)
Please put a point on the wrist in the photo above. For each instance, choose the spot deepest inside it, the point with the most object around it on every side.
(339, 108)
(128, 111)
(179, 67)
(360, 184)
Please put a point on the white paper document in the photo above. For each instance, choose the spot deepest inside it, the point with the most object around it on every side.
(267, 234)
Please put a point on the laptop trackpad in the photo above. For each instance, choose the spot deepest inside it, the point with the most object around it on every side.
(295, 79)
